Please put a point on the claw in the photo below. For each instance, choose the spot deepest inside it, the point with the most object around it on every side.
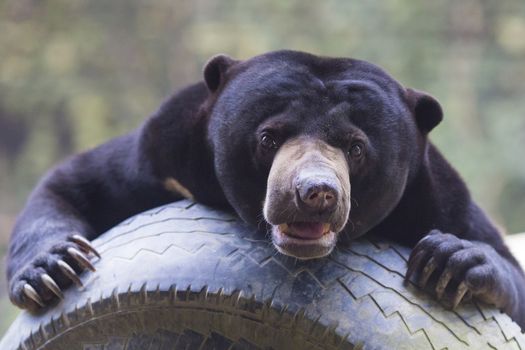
(413, 264)
(51, 285)
(468, 296)
(69, 272)
(443, 282)
(84, 244)
(462, 290)
(80, 258)
(428, 270)
(31, 293)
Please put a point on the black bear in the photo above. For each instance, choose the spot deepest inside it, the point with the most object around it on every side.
(317, 148)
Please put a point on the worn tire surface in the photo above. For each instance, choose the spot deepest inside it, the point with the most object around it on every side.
(185, 276)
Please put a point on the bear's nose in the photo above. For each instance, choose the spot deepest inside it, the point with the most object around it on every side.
(316, 195)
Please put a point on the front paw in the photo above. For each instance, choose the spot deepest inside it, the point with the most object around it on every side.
(41, 282)
(461, 267)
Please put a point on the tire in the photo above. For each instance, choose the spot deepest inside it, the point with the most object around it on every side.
(185, 276)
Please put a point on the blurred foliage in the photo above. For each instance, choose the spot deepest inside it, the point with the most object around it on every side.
(75, 73)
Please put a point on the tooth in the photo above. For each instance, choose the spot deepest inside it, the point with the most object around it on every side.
(326, 228)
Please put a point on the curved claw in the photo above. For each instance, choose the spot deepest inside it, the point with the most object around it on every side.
(80, 258)
(31, 293)
(413, 264)
(51, 285)
(84, 244)
(443, 282)
(460, 293)
(69, 272)
(428, 270)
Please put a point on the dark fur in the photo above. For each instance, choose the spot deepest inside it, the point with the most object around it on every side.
(206, 137)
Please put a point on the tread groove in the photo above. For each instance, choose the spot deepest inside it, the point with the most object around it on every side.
(230, 287)
(408, 300)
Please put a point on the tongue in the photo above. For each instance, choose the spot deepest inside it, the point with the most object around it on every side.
(307, 230)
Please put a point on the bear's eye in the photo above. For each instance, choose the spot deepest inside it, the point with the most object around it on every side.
(356, 151)
(268, 142)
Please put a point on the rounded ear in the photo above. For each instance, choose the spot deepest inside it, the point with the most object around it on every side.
(426, 109)
(215, 70)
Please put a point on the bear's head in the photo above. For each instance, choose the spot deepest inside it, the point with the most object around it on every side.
(314, 147)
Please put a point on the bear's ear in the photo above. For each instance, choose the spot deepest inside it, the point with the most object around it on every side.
(426, 109)
(215, 70)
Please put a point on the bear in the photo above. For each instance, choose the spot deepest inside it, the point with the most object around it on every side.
(311, 150)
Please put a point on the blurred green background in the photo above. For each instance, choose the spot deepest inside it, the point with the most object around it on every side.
(75, 73)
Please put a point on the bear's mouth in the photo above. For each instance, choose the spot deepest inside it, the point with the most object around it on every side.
(305, 230)
(304, 240)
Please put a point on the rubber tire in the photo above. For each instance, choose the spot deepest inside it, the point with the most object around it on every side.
(186, 276)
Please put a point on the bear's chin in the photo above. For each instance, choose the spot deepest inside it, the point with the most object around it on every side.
(301, 248)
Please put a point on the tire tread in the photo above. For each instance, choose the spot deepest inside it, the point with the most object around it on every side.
(365, 277)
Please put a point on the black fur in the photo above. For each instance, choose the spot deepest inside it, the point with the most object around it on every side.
(206, 137)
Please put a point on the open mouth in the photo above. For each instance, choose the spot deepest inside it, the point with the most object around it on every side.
(304, 240)
(305, 230)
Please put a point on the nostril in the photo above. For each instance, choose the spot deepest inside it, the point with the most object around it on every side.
(313, 196)
(329, 201)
